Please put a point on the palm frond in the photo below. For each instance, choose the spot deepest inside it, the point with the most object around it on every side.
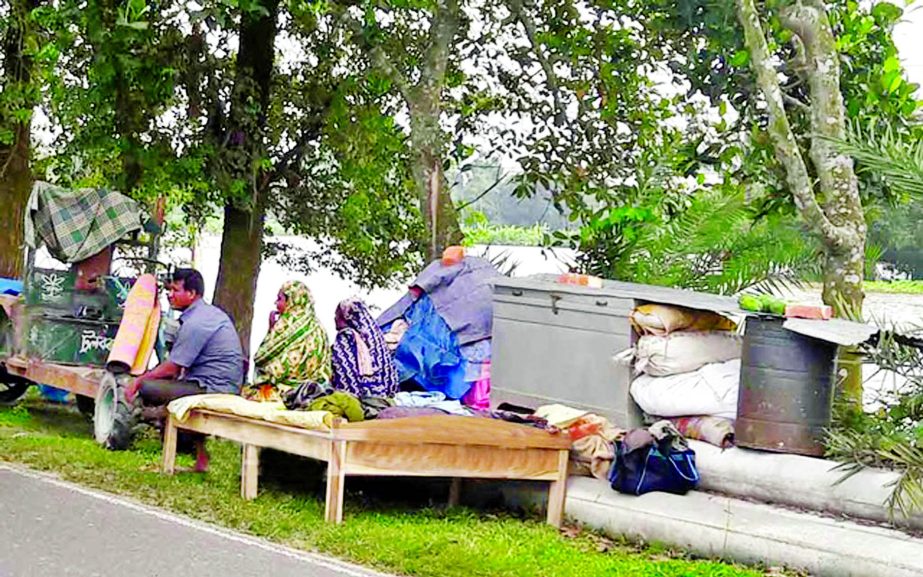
(891, 437)
(887, 154)
(502, 261)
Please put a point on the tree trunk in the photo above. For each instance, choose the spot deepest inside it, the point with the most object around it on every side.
(15, 170)
(840, 222)
(439, 214)
(844, 265)
(424, 103)
(15, 186)
(241, 257)
(242, 238)
(427, 139)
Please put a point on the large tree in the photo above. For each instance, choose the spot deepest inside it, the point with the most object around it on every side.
(240, 163)
(17, 101)
(830, 203)
(301, 139)
(418, 61)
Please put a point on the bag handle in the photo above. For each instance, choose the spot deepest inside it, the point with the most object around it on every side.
(644, 470)
(692, 468)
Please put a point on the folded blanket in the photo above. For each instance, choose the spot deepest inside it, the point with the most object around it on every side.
(713, 430)
(560, 416)
(241, 407)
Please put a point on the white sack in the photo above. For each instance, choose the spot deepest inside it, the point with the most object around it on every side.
(684, 352)
(711, 390)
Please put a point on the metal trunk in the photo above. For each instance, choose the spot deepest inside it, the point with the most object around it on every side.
(554, 343)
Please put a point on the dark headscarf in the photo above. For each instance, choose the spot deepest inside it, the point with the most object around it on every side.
(362, 363)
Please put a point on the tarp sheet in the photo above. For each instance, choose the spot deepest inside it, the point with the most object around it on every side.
(462, 294)
(77, 224)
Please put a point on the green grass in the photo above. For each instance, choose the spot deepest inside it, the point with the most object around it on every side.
(382, 530)
(909, 287)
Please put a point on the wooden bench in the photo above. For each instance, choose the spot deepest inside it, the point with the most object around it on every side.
(430, 446)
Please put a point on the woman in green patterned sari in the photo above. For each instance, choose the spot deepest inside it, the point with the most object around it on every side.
(296, 349)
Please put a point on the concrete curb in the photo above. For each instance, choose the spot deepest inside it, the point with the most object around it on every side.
(729, 528)
(715, 526)
(798, 481)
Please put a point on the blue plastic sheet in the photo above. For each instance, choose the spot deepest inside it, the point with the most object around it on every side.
(429, 352)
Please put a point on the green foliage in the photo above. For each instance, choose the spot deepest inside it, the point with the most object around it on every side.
(893, 156)
(21, 59)
(710, 242)
(875, 86)
(145, 102)
(398, 532)
(635, 204)
(892, 436)
(113, 83)
(902, 287)
(480, 231)
(896, 156)
(595, 110)
(355, 199)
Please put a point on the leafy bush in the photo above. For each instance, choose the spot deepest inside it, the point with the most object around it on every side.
(709, 240)
(892, 436)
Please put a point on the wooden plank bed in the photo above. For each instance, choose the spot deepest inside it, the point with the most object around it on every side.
(430, 446)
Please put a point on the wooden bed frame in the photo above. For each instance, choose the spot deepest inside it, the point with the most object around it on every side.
(430, 446)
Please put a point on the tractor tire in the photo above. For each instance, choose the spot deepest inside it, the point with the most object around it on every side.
(12, 388)
(115, 420)
(86, 406)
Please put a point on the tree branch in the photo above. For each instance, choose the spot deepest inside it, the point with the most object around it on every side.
(780, 131)
(379, 58)
(443, 29)
(795, 102)
(517, 8)
(820, 60)
(294, 154)
(486, 191)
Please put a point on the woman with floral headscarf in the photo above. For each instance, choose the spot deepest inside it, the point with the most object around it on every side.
(362, 363)
(296, 349)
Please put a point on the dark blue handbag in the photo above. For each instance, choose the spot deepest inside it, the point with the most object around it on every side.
(653, 468)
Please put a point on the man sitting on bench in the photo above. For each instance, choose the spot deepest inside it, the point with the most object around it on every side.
(206, 357)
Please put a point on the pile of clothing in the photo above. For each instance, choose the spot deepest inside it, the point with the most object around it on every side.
(440, 331)
(594, 437)
(687, 369)
(322, 397)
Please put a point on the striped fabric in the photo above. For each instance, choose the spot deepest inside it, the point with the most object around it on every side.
(362, 363)
(77, 224)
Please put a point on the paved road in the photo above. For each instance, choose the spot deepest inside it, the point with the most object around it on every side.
(48, 527)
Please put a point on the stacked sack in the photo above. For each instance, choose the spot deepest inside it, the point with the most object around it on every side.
(687, 364)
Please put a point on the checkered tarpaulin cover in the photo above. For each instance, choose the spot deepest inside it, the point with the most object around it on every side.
(77, 224)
